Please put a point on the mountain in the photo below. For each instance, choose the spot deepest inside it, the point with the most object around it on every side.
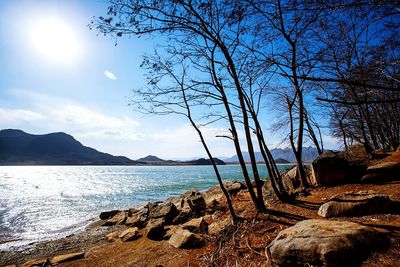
(203, 161)
(281, 161)
(309, 154)
(151, 158)
(20, 148)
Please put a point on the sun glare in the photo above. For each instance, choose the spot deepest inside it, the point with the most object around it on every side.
(55, 40)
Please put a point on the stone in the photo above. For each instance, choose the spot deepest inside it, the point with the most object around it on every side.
(112, 237)
(233, 187)
(185, 239)
(36, 263)
(130, 234)
(216, 227)
(196, 225)
(167, 211)
(108, 214)
(357, 152)
(183, 216)
(381, 173)
(67, 257)
(196, 202)
(329, 169)
(132, 211)
(117, 219)
(155, 229)
(138, 219)
(357, 204)
(324, 243)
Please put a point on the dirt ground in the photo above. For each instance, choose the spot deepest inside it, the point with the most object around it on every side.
(243, 245)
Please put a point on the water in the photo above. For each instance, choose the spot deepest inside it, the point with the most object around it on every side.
(47, 202)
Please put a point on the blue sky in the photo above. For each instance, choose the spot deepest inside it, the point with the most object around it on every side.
(79, 82)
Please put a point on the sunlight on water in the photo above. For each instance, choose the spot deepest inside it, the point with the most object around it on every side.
(46, 202)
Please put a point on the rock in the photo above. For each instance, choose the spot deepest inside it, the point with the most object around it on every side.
(357, 152)
(155, 229)
(217, 227)
(138, 219)
(183, 216)
(130, 234)
(108, 214)
(167, 211)
(117, 219)
(185, 239)
(197, 225)
(328, 169)
(36, 263)
(384, 172)
(196, 202)
(233, 187)
(67, 257)
(112, 237)
(357, 204)
(324, 243)
(132, 211)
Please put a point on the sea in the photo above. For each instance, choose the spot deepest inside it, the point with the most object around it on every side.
(40, 203)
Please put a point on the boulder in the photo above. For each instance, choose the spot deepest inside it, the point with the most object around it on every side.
(155, 229)
(357, 153)
(182, 238)
(112, 237)
(384, 172)
(183, 216)
(233, 187)
(197, 225)
(138, 219)
(329, 169)
(324, 243)
(196, 202)
(108, 214)
(36, 263)
(117, 219)
(357, 204)
(167, 211)
(130, 234)
(67, 258)
(217, 227)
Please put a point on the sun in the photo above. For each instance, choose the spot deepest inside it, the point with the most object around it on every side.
(55, 40)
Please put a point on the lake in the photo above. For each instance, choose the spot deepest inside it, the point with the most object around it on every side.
(47, 202)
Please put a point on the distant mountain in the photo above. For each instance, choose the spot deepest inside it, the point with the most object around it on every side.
(309, 154)
(204, 161)
(282, 161)
(154, 160)
(151, 158)
(20, 148)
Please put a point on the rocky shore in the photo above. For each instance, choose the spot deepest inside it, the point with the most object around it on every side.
(349, 221)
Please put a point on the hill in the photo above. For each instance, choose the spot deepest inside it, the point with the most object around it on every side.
(151, 158)
(309, 154)
(20, 148)
(203, 161)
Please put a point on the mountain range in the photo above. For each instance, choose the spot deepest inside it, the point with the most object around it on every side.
(280, 155)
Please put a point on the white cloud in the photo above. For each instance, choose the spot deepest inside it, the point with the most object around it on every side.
(15, 115)
(110, 75)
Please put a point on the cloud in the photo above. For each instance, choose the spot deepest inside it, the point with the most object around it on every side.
(15, 115)
(110, 75)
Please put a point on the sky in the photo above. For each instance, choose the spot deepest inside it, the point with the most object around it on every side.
(57, 75)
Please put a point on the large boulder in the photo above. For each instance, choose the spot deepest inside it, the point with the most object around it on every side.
(183, 216)
(108, 214)
(117, 219)
(155, 229)
(324, 243)
(138, 219)
(358, 204)
(381, 173)
(168, 211)
(182, 238)
(196, 225)
(357, 153)
(196, 202)
(130, 234)
(330, 169)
